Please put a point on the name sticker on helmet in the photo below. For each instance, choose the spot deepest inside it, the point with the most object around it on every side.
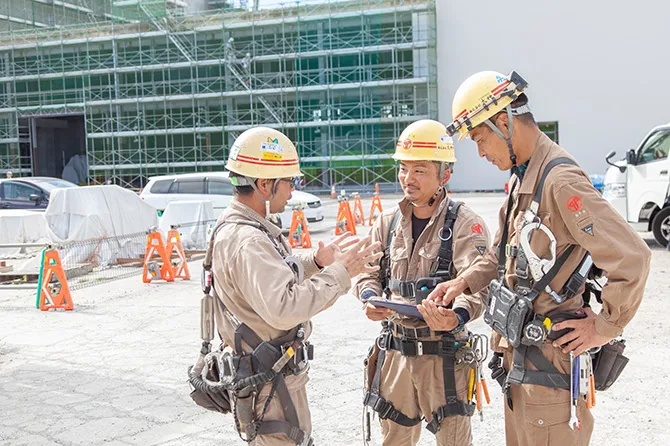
(272, 150)
(234, 152)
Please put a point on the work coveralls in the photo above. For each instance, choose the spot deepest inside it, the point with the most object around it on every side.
(260, 289)
(415, 384)
(576, 214)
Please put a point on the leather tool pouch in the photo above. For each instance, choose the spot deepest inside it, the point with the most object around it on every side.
(608, 364)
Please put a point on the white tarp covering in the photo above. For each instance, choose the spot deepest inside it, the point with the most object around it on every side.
(94, 212)
(22, 226)
(82, 213)
(191, 215)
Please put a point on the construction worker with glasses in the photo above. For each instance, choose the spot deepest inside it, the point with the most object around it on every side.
(554, 230)
(414, 373)
(263, 297)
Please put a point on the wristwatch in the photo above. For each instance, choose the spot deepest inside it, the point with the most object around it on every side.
(461, 323)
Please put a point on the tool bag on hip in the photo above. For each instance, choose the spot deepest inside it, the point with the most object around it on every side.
(209, 397)
(608, 364)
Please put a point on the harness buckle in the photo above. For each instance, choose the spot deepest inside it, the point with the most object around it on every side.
(383, 408)
(447, 347)
(384, 340)
(407, 289)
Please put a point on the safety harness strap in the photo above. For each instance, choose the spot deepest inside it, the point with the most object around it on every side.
(454, 406)
(269, 427)
(502, 247)
(445, 254)
(384, 408)
(385, 261)
(546, 374)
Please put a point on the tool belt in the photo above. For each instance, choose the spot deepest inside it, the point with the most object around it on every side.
(446, 347)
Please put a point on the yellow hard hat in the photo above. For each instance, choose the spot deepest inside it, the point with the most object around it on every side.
(425, 140)
(481, 96)
(262, 152)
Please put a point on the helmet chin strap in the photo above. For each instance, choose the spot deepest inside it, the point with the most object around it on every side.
(508, 140)
(430, 202)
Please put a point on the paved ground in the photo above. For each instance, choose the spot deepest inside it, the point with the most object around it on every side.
(113, 371)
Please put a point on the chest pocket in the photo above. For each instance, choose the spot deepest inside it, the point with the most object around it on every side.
(399, 258)
(428, 258)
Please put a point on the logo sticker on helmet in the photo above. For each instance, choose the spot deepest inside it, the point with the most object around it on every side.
(234, 152)
(407, 144)
(272, 150)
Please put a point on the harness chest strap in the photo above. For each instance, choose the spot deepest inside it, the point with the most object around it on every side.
(418, 290)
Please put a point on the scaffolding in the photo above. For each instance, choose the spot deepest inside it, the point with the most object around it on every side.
(160, 89)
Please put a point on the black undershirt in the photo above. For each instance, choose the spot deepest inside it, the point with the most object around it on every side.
(418, 225)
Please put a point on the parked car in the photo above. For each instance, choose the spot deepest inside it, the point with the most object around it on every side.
(637, 186)
(216, 187)
(29, 192)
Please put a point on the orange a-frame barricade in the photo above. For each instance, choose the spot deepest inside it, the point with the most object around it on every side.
(53, 294)
(180, 269)
(153, 271)
(359, 216)
(298, 235)
(376, 204)
(345, 219)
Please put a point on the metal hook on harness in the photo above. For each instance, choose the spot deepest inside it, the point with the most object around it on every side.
(539, 266)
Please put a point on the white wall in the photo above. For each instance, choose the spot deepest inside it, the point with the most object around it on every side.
(602, 71)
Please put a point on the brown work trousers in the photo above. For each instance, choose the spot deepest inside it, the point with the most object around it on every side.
(415, 386)
(298, 394)
(541, 414)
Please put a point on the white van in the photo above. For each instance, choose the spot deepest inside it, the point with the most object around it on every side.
(637, 187)
(216, 187)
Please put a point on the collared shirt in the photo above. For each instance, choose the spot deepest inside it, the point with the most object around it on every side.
(411, 260)
(258, 287)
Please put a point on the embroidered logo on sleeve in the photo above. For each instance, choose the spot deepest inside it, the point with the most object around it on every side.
(574, 203)
(481, 249)
(588, 229)
(477, 228)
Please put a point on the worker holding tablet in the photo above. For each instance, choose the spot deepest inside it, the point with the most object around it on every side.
(414, 373)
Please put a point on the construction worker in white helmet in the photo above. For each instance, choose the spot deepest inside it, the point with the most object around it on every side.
(413, 372)
(555, 231)
(265, 296)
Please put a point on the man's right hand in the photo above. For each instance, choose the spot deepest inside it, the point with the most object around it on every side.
(377, 313)
(446, 292)
(359, 258)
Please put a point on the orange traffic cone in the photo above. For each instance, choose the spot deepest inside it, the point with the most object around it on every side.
(152, 271)
(359, 216)
(53, 290)
(180, 267)
(332, 191)
(345, 219)
(376, 204)
(298, 235)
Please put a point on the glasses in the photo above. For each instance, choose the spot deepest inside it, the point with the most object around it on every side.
(295, 182)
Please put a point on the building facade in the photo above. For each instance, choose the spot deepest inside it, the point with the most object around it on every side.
(143, 87)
